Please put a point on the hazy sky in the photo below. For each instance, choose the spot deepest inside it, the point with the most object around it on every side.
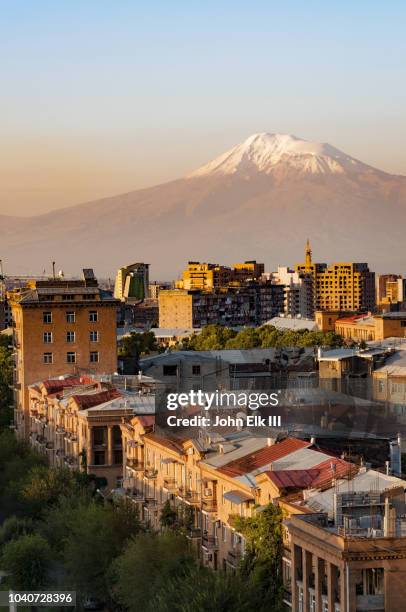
(101, 97)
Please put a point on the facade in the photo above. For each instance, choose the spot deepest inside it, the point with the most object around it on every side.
(341, 286)
(371, 327)
(154, 289)
(249, 305)
(390, 292)
(132, 282)
(60, 327)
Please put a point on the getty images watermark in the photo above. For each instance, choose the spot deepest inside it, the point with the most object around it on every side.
(223, 399)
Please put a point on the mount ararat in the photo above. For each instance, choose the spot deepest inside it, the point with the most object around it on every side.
(260, 200)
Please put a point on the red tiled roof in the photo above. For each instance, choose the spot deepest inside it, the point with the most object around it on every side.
(89, 400)
(351, 319)
(262, 457)
(54, 385)
(319, 476)
(173, 445)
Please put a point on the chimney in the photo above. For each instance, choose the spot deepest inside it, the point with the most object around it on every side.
(387, 468)
(312, 440)
(269, 441)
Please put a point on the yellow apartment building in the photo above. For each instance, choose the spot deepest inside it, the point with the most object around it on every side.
(343, 286)
(209, 276)
(60, 327)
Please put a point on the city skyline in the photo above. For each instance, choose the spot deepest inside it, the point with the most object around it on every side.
(82, 112)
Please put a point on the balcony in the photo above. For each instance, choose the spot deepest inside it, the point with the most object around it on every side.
(209, 504)
(189, 497)
(150, 473)
(374, 603)
(134, 464)
(194, 533)
(170, 484)
(60, 430)
(209, 542)
(234, 557)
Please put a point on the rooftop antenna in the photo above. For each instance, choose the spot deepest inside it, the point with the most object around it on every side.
(53, 270)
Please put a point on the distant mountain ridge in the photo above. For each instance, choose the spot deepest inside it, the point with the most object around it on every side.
(259, 200)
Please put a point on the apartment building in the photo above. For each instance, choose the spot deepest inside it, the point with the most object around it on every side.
(132, 282)
(343, 286)
(249, 305)
(348, 551)
(76, 422)
(60, 326)
(209, 276)
(298, 292)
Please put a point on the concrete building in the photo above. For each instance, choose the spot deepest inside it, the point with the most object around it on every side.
(298, 292)
(60, 326)
(249, 305)
(132, 282)
(341, 286)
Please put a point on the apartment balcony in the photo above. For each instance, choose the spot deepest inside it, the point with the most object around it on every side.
(60, 430)
(234, 557)
(49, 446)
(189, 497)
(150, 473)
(373, 603)
(194, 533)
(209, 542)
(209, 504)
(170, 484)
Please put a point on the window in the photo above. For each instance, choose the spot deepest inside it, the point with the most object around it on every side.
(70, 317)
(117, 457)
(70, 336)
(99, 436)
(47, 337)
(48, 358)
(94, 336)
(94, 356)
(170, 370)
(68, 297)
(93, 316)
(99, 458)
(47, 317)
(70, 357)
(196, 370)
(403, 324)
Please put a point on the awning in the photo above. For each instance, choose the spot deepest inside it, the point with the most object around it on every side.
(237, 497)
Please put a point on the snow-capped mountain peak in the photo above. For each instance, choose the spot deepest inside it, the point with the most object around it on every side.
(281, 153)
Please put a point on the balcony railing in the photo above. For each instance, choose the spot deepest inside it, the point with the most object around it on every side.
(194, 533)
(234, 556)
(150, 473)
(170, 484)
(209, 504)
(374, 603)
(188, 496)
(210, 542)
(135, 465)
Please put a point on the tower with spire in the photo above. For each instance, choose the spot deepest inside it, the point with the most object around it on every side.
(308, 256)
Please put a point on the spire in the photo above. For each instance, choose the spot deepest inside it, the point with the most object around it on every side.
(308, 254)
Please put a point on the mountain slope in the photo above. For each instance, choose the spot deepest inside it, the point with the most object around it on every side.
(260, 200)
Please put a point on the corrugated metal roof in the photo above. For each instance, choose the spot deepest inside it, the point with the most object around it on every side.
(237, 497)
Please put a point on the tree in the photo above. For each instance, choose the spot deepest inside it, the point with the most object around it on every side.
(262, 562)
(14, 527)
(96, 535)
(168, 516)
(148, 564)
(137, 344)
(27, 560)
(44, 486)
(203, 589)
(6, 380)
(212, 337)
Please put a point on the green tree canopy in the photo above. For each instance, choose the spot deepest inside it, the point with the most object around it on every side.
(27, 560)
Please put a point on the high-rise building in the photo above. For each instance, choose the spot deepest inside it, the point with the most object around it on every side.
(250, 304)
(298, 292)
(132, 282)
(343, 286)
(60, 327)
(391, 292)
